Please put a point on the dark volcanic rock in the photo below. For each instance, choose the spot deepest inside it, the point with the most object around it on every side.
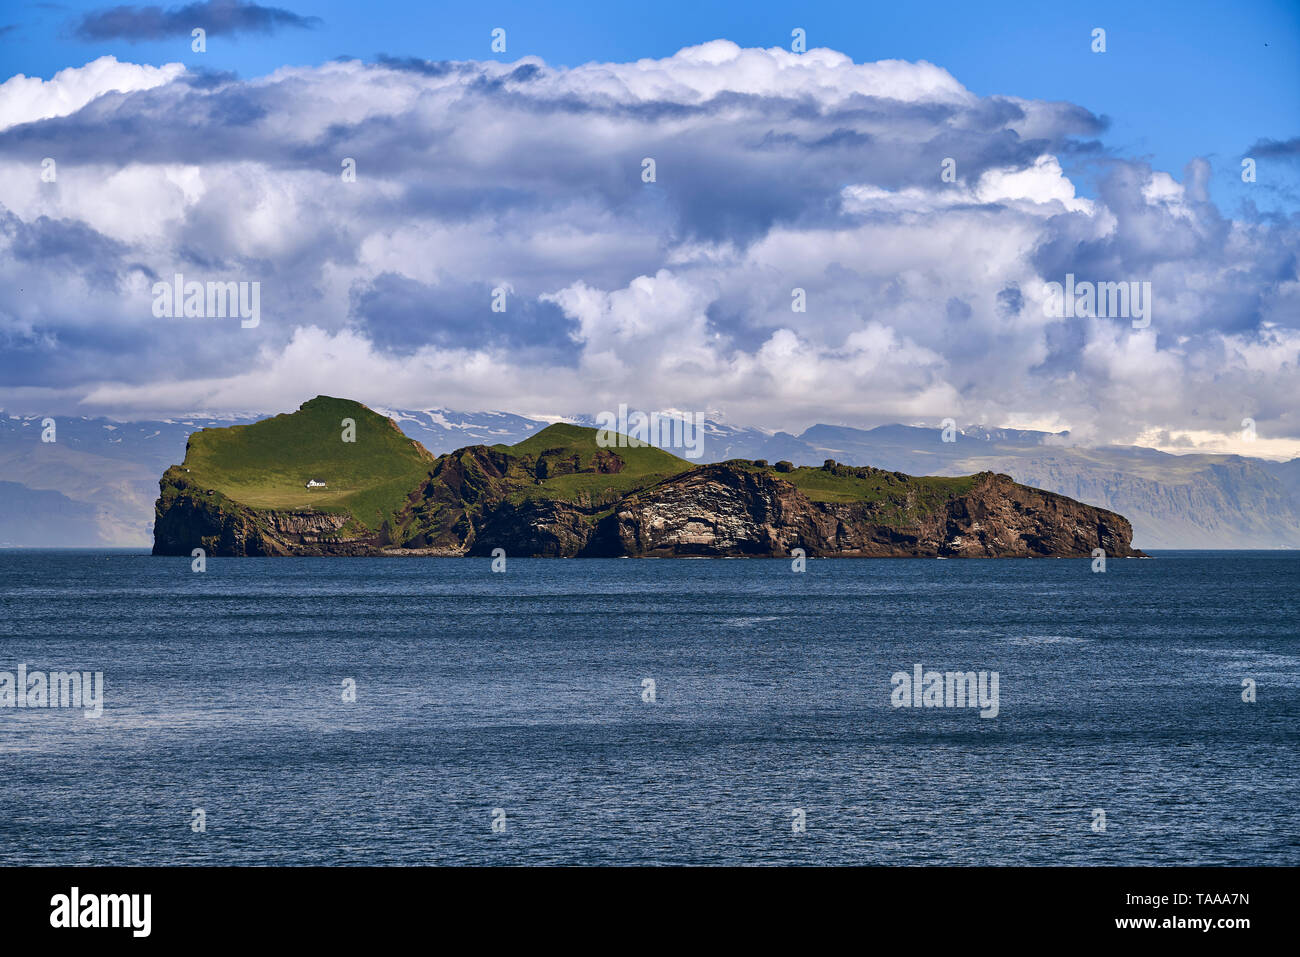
(542, 529)
(725, 510)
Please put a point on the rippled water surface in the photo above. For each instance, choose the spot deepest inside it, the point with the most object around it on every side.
(523, 691)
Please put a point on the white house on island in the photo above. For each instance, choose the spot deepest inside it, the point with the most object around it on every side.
(315, 483)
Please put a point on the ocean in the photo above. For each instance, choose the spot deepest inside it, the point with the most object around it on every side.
(652, 712)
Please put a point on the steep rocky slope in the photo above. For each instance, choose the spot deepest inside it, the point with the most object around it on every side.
(729, 509)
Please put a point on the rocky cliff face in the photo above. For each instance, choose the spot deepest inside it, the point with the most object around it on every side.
(188, 516)
(723, 510)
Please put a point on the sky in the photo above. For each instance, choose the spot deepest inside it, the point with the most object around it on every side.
(522, 170)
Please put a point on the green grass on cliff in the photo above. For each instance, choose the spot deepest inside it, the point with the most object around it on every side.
(561, 444)
(822, 486)
(645, 465)
(266, 465)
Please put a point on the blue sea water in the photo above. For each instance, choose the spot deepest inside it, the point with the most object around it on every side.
(523, 692)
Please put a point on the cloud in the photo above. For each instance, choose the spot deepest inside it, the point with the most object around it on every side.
(25, 99)
(218, 17)
(1281, 149)
(774, 172)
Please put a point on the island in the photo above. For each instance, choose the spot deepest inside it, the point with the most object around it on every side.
(336, 478)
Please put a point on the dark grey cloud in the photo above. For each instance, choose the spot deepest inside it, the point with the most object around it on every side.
(1010, 301)
(217, 17)
(412, 64)
(65, 245)
(402, 314)
(1280, 149)
(958, 310)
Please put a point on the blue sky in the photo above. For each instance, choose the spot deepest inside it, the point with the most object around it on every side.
(782, 178)
(1179, 79)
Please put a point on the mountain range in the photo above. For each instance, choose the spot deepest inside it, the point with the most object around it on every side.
(95, 485)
